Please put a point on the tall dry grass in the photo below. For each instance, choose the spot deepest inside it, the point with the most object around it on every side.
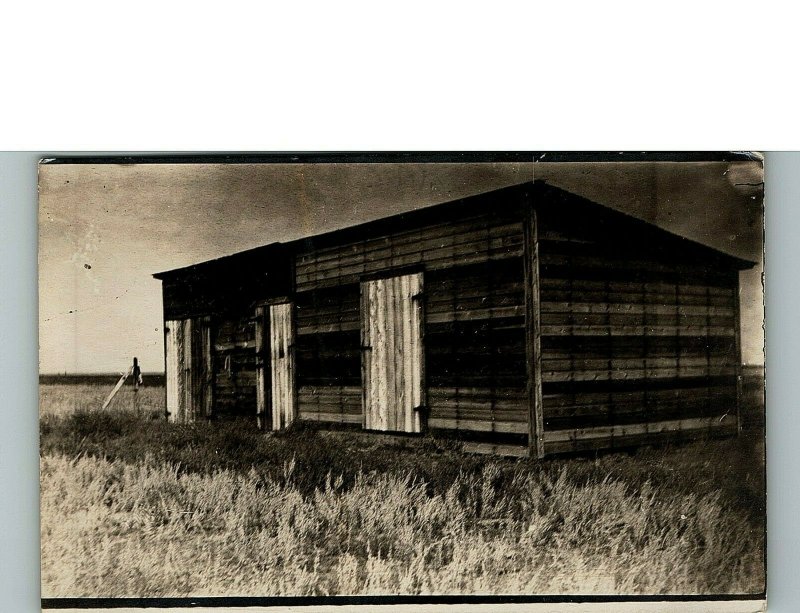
(137, 507)
(150, 527)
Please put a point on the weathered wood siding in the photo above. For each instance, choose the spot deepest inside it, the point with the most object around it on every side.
(284, 401)
(478, 236)
(474, 317)
(190, 390)
(392, 353)
(475, 347)
(636, 344)
(263, 368)
(234, 358)
(328, 370)
(544, 317)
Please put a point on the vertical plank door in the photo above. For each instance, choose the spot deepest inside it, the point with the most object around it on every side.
(392, 353)
(179, 369)
(189, 372)
(284, 397)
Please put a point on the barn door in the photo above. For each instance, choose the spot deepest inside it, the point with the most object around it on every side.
(392, 353)
(188, 368)
(284, 398)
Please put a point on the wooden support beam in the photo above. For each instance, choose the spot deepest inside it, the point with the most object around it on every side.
(533, 343)
(117, 387)
(737, 323)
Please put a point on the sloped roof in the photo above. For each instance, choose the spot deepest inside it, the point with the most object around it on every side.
(600, 218)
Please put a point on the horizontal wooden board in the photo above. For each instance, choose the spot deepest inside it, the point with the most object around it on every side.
(515, 451)
(557, 296)
(633, 276)
(446, 247)
(328, 310)
(636, 396)
(638, 288)
(573, 364)
(329, 400)
(586, 292)
(446, 393)
(474, 425)
(620, 255)
(483, 226)
(636, 346)
(686, 406)
(635, 307)
(604, 432)
(469, 406)
(631, 414)
(475, 220)
(327, 328)
(337, 418)
(478, 425)
(640, 373)
(638, 440)
(662, 330)
(460, 299)
(634, 319)
(649, 385)
(489, 312)
(429, 250)
(311, 281)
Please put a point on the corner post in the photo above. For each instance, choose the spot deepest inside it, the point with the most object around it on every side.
(533, 344)
(738, 350)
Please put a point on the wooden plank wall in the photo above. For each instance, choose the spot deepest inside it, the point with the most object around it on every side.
(477, 237)
(202, 368)
(633, 348)
(474, 320)
(328, 355)
(392, 358)
(284, 401)
(234, 360)
(475, 347)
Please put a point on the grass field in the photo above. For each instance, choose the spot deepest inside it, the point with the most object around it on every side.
(66, 398)
(136, 507)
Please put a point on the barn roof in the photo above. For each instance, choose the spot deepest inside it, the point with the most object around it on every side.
(547, 198)
(273, 253)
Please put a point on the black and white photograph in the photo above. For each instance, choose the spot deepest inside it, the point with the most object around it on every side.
(410, 376)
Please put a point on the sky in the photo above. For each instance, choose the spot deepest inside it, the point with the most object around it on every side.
(104, 229)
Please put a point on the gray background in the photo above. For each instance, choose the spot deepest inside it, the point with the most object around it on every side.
(19, 535)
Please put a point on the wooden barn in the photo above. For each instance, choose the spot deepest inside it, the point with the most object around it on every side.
(528, 320)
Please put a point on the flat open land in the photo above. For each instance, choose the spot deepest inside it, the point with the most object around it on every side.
(133, 506)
